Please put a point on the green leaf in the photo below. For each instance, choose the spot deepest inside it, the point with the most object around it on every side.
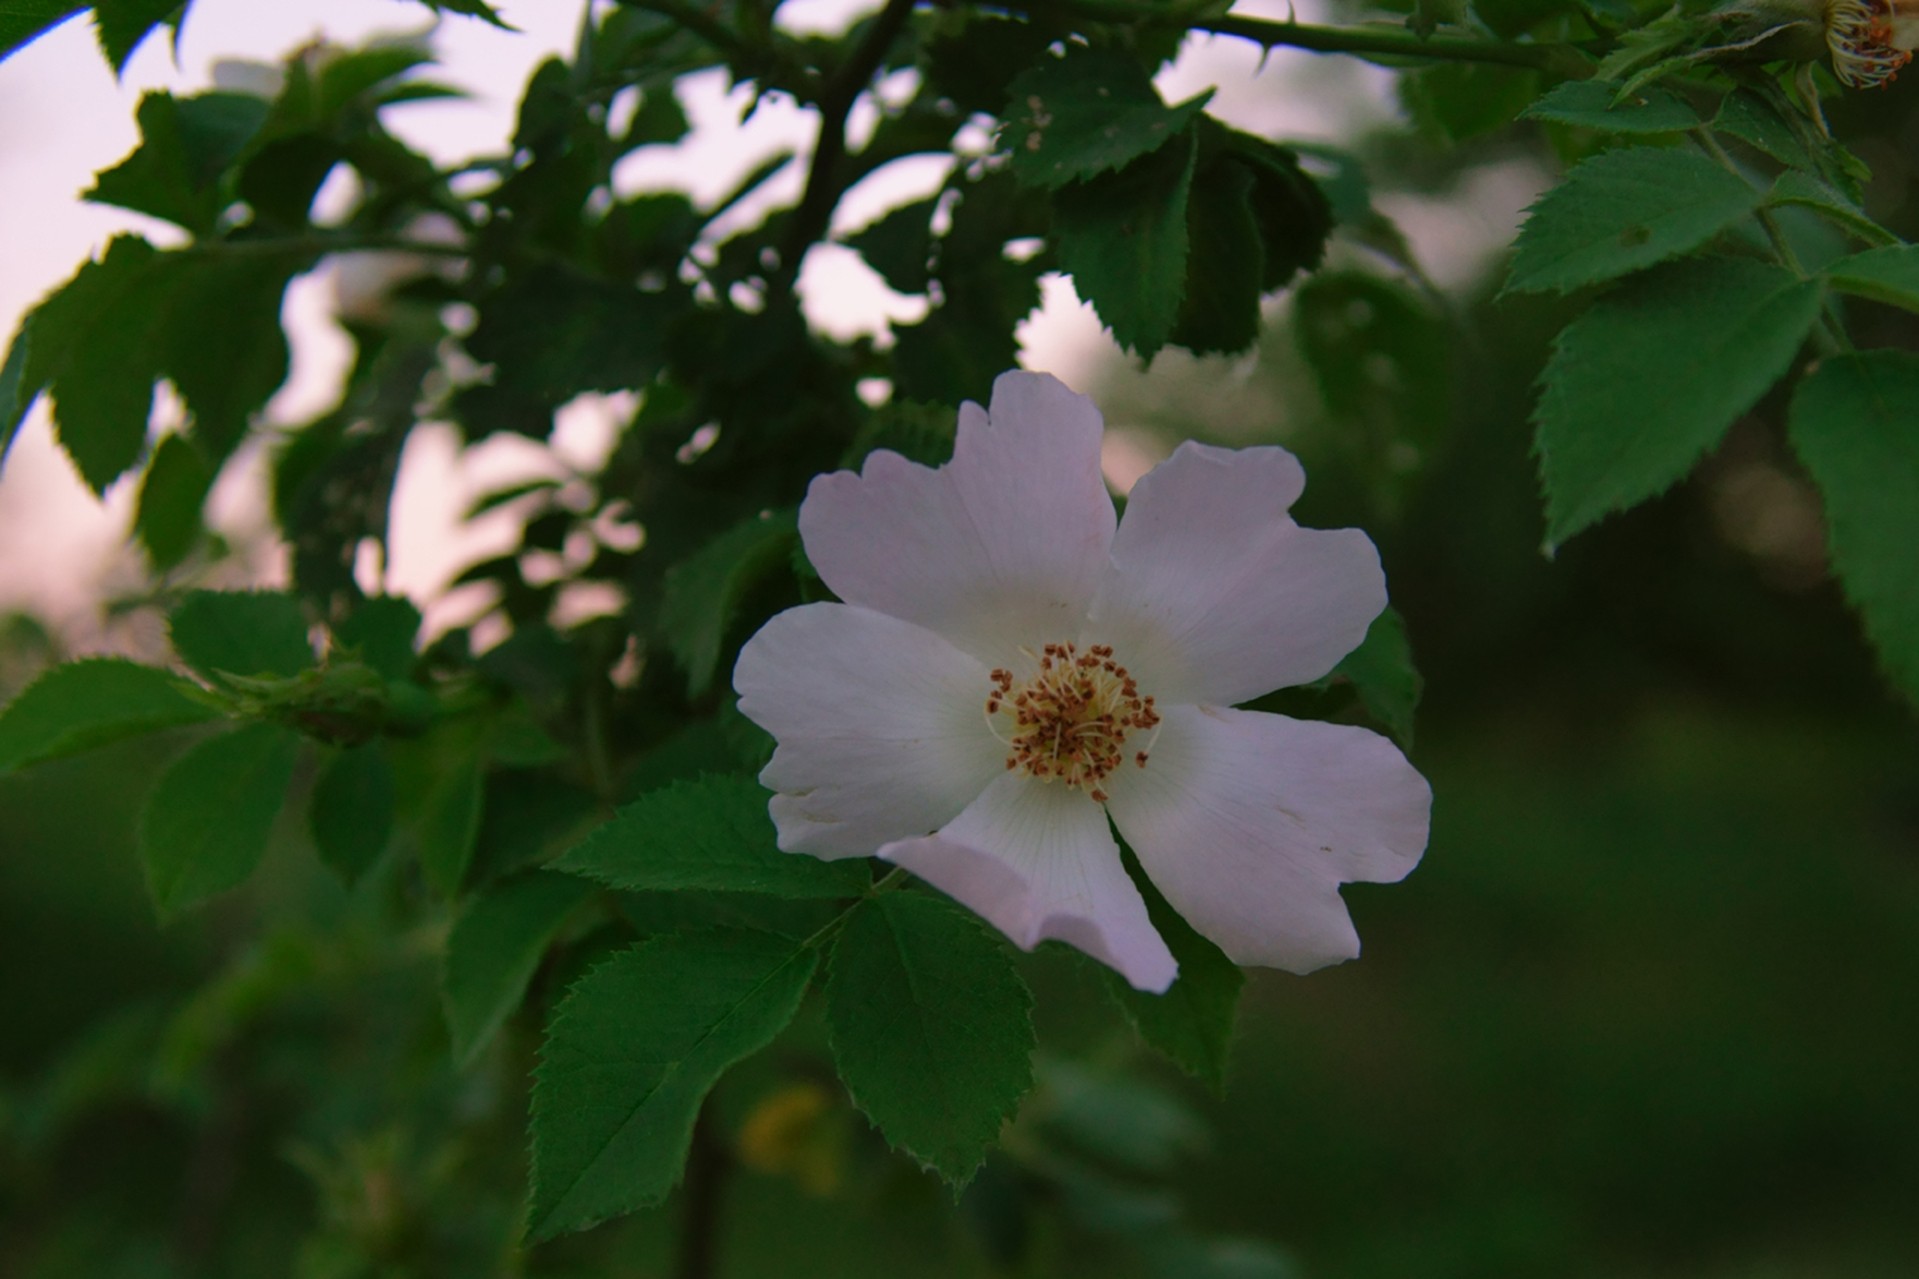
(16, 395)
(351, 817)
(84, 704)
(1852, 424)
(1292, 210)
(1122, 237)
(1794, 187)
(1622, 211)
(246, 633)
(186, 145)
(713, 833)
(1590, 104)
(446, 827)
(974, 64)
(1192, 1023)
(630, 1056)
(171, 494)
(494, 950)
(702, 594)
(22, 20)
(123, 24)
(1889, 275)
(1381, 671)
(223, 345)
(1711, 334)
(1087, 113)
(553, 332)
(1225, 263)
(1460, 100)
(931, 1028)
(900, 245)
(207, 823)
(380, 632)
(920, 433)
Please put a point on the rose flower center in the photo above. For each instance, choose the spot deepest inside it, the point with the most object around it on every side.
(1069, 720)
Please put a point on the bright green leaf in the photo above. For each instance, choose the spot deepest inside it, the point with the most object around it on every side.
(1852, 425)
(1889, 275)
(1192, 1023)
(1088, 113)
(206, 825)
(1622, 211)
(246, 633)
(351, 817)
(1589, 104)
(931, 1028)
(630, 1057)
(84, 704)
(495, 948)
(703, 592)
(714, 834)
(171, 494)
(1122, 237)
(1712, 334)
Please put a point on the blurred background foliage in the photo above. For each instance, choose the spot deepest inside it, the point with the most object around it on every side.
(1645, 1009)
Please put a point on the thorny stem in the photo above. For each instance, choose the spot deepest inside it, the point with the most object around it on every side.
(824, 182)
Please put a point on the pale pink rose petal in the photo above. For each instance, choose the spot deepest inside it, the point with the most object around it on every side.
(1038, 861)
(880, 725)
(1216, 596)
(1248, 822)
(1002, 547)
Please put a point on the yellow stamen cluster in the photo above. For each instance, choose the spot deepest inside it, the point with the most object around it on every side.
(1868, 40)
(1068, 721)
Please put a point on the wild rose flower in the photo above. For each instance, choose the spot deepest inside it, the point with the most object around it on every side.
(1870, 40)
(1012, 665)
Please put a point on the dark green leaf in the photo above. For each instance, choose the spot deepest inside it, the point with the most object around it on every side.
(552, 333)
(351, 817)
(1088, 113)
(1796, 188)
(186, 144)
(630, 1057)
(22, 20)
(494, 950)
(473, 9)
(1225, 263)
(1192, 1023)
(1852, 425)
(447, 825)
(175, 486)
(931, 1028)
(206, 825)
(1889, 275)
(224, 347)
(1122, 237)
(244, 633)
(1293, 213)
(85, 704)
(1712, 334)
(1461, 100)
(900, 245)
(380, 632)
(123, 24)
(1590, 104)
(714, 834)
(1622, 211)
(16, 396)
(974, 65)
(1381, 671)
(702, 593)
(920, 433)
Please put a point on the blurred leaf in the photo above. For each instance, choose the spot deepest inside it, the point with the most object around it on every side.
(223, 345)
(920, 433)
(1589, 104)
(1622, 211)
(1088, 113)
(380, 632)
(16, 395)
(470, 8)
(553, 332)
(348, 74)
(206, 825)
(1796, 188)
(494, 950)
(1852, 425)
(1713, 334)
(1122, 238)
(1120, 1121)
(351, 813)
(1292, 211)
(931, 1028)
(22, 20)
(713, 833)
(171, 494)
(446, 826)
(900, 245)
(1429, 15)
(241, 633)
(630, 1056)
(1192, 1022)
(1462, 100)
(1381, 671)
(702, 594)
(123, 24)
(974, 64)
(89, 703)
(186, 145)
(1889, 275)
